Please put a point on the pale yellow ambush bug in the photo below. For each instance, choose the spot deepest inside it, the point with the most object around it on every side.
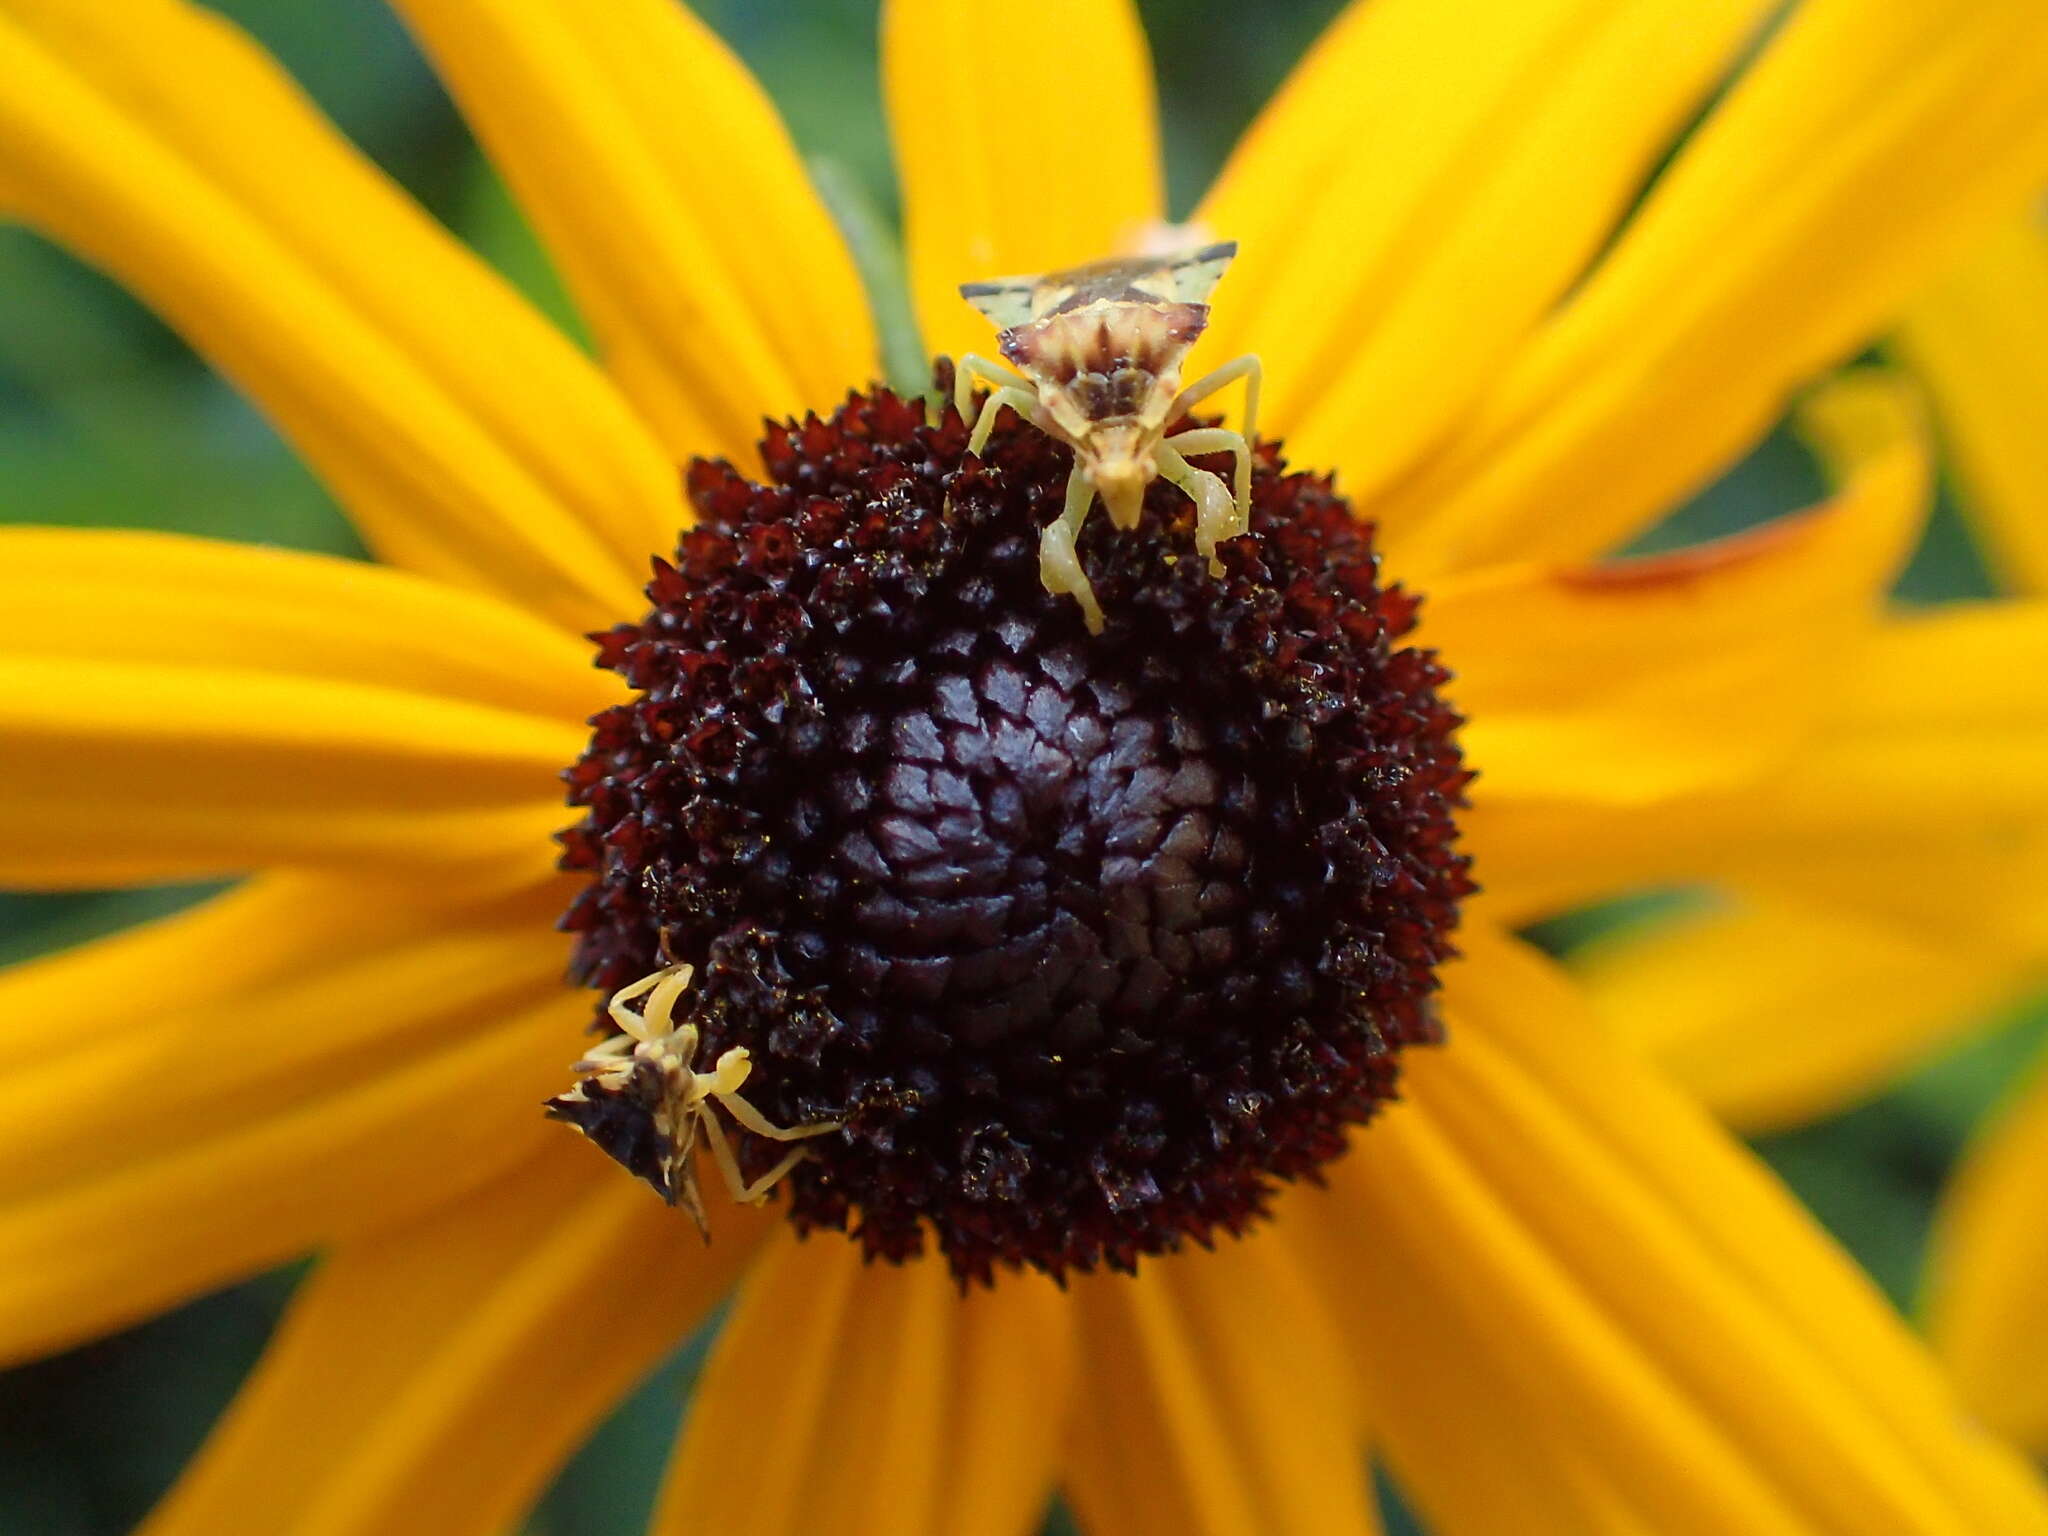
(648, 1069)
(1097, 353)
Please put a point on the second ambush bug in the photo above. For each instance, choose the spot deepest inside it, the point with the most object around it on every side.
(1096, 354)
(643, 1100)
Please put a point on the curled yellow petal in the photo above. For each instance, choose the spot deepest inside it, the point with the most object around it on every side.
(464, 434)
(1846, 166)
(433, 1374)
(666, 187)
(1642, 679)
(1915, 801)
(873, 1400)
(1920, 799)
(994, 183)
(1979, 337)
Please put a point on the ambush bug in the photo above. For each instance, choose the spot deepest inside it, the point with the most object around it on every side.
(643, 1102)
(1096, 354)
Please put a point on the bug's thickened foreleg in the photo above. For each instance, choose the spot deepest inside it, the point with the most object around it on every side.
(1216, 510)
(662, 989)
(1217, 440)
(1059, 564)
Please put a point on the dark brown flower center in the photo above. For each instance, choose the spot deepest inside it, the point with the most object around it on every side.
(1085, 940)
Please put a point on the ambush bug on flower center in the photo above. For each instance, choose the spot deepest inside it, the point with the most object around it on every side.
(643, 1102)
(1097, 352)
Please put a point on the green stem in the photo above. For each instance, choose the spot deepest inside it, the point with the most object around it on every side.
(878, 256)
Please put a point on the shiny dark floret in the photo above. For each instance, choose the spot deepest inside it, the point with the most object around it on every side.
(1087, 940)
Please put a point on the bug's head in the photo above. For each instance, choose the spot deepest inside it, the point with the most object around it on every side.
(1119, 464)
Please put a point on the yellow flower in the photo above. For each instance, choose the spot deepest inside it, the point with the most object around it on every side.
(1940, 917)
(1978, 336)
(1981, 339)
(1835, 968)
(1544, 1287)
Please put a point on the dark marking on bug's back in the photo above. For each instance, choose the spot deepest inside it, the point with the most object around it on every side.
(620, 1121)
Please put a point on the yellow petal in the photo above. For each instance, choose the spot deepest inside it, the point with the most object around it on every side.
(70, 1093)
(466, 436)
(1474, 1456)
(1636, 680)
(130, 771)
(265, 933)
(853, 1397)
(1776, 1012)
(1980, 339)
(161, 598)
(1415, 199)
(1841, 172)
(254, 935)
(1213, 1402)
(432, 1375)
(151, 1158)
(1447, 1244)
(1604, 1250)
(1933, 763)
(1016, 156)
(1917, 800)
(666, 187)
(1988, 1271)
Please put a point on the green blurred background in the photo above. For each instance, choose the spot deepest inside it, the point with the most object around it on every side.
(107, 419)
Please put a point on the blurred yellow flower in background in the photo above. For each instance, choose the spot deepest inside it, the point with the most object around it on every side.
(1937, 915)
(1979, 338)
(1544, 1287)
(1981, 341)
(1936, 909)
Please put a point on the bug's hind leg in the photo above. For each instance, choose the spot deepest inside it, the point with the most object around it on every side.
(1247, 368)
(1006, 388)
(679, 1173)
(1059, 565)
(722, 1083)
(729, 1167)
(1019, 400)
(974, 369)
(1216, 511)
